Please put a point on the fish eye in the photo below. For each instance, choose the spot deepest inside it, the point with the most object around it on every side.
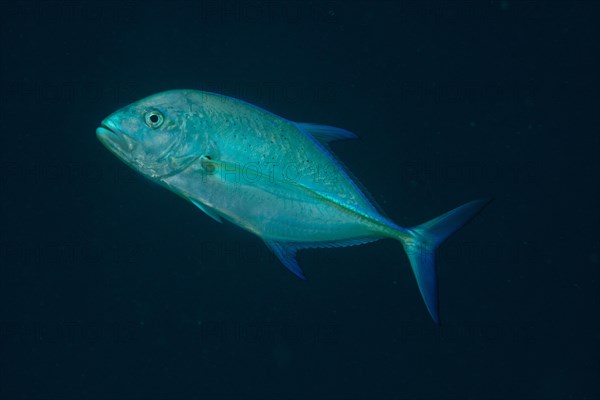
(154, 119)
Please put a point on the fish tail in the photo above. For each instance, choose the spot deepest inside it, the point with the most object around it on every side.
(420, 243)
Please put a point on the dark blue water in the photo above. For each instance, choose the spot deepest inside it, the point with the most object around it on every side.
(112, 287)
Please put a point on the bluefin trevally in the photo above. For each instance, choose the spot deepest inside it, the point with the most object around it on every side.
(273, 177)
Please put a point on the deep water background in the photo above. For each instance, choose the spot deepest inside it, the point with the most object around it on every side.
(111, 287)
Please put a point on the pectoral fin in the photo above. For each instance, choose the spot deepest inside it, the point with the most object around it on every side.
(286, 253)
(207, 210)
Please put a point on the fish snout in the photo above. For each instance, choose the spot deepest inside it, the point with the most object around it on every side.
(112, 137)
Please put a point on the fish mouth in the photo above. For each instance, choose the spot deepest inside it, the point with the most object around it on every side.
(104, 132)
(107, 129)
(113, 139)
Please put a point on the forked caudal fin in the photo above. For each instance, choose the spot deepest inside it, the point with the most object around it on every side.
(421, 245)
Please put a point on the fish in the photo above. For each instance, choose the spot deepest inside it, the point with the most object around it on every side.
(273, 177)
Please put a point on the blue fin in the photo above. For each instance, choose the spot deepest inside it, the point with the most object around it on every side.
(286, 251)
(324, 133)
(287, 255)
(421, 246)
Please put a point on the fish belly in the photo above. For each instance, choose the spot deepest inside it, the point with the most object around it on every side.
(277, 211)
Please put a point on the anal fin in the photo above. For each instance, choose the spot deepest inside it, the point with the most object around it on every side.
(286, 252)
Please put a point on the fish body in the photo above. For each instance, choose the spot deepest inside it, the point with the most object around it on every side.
(271, 176)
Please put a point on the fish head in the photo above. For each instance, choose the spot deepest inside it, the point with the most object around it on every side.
(157, 136)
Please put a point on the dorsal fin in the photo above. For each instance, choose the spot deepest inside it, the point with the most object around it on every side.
(325, 133)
